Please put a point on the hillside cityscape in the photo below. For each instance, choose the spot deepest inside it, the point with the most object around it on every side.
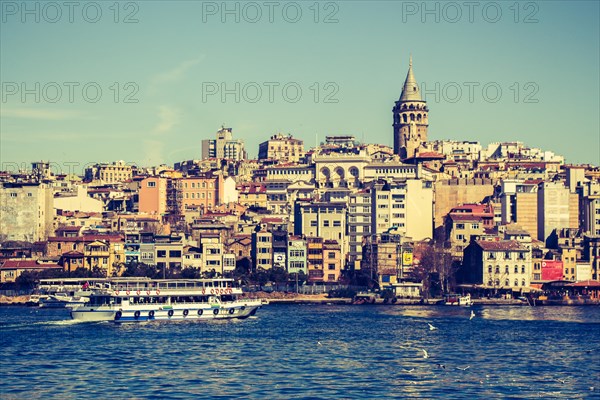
(421, 218)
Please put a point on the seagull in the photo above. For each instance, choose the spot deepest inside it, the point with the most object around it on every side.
(472, 315)
(464, 368)
(441, 366)
(425, 354)
(408, 371)
(319, 343)
(431, 327)
(561, 381)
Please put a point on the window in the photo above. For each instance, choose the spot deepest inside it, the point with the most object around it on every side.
(516, 282)
(151, 184)
(331, 254)
(161, 254)
(13, 195)
(474, 226)
(522, 269)
(489, 269)
(516, 269)
(174, 253)
(326, 223)
(313, 223)
(523, 282)
(460, 226)
(507, 255)
(337, 223)
(506, 283)
(331, 277)
(497, 269)
(506, 269)
(331, 267)
(460, 237)
(29, 194)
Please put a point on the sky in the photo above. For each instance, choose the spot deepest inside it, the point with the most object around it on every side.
(145, 82)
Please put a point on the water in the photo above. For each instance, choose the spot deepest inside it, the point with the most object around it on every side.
(307, 351)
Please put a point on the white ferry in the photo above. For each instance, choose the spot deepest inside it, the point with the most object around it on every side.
(457, 300)
(134, 300)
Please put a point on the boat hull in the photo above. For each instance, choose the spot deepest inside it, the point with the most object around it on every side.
(179, 313)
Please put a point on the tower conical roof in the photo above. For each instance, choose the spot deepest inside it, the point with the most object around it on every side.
(410, 92)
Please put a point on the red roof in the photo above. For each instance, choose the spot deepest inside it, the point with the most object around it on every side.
(26, 264)
(585, 284)
(464, 217)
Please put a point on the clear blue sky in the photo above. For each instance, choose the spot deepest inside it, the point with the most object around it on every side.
(544, 56)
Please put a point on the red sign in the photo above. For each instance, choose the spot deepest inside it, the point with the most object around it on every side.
(552, 270)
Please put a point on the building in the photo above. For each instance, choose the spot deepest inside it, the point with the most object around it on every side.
(497, 264)
(212, 253)
(26, 211)
(10, 270)
(109, 174)
(168, 252)
(77, 200)
(554, 208)
(410, 118)
(323, 220)
(332, 261)
(519, 204)
(262, 250)
(359, 224)
(314, 247)
(200, 192)
(224, 146)
(405, 206)
(152, 198)
(297, 255)
(283, 149)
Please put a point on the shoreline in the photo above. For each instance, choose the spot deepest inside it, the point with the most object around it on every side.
(322, 299)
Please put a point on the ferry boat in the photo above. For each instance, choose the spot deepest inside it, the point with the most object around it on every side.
(135, 300)
(457, 300)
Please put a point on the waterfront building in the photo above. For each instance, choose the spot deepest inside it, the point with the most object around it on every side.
(10, 270)
(26, 211)
(240, 246)
(211, 248)
(314, 246)
(297, 255)
(281, 148)
(168, 251)
(332, 261)
(496, 264)
(411, 118)
(359, 224)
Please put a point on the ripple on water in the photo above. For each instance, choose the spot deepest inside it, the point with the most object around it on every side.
(309, 352)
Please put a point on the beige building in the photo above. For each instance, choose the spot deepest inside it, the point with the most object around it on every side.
(454, 192)
(26, 211)
(224, 146)
(332, 261)
(152, 198)
(282, 148)
(555, 206)
(324, 220)
(497, 264)
(262, 250)
(108, 174)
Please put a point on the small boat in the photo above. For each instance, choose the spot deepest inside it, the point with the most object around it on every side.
(62, 300)
(457, 300)
(65, 292)
(136, 300)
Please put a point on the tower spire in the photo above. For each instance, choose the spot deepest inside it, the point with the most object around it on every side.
(410, 92)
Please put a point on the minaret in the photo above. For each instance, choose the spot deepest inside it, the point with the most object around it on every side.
(410, 118)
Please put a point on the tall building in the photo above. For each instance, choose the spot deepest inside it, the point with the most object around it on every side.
(26, 211)
(116, 172)
(554, 203)
(224, 146)
(282, 148)
(410, 118)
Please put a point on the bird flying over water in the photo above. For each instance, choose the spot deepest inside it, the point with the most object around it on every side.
(408, 371)
(464, 368)
(431, 327)
(472, 315)
(425, 354)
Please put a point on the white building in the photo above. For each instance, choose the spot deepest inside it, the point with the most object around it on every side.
(77, 201)
(26, 211)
